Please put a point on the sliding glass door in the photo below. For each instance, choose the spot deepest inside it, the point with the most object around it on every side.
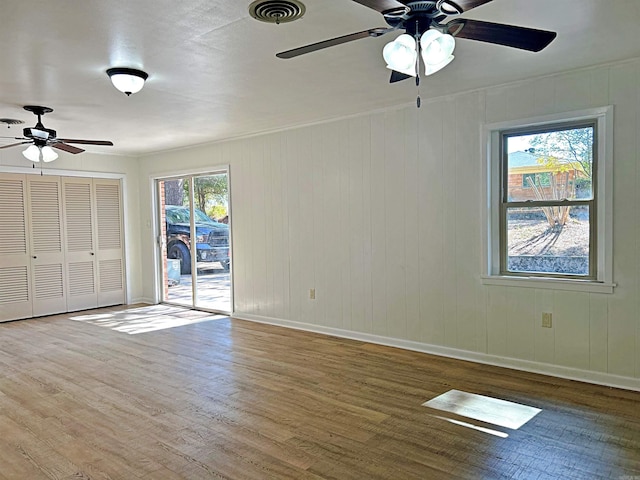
(196, 241)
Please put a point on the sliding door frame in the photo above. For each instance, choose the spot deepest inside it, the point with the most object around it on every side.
(158, 238)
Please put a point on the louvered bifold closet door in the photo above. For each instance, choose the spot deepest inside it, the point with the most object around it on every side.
(82, 291)
(44, 207)
(15, 265)
(109, 252)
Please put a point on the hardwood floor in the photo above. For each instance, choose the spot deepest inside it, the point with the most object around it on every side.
(229, 399)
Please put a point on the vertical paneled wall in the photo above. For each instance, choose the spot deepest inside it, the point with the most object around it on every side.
(381, 214)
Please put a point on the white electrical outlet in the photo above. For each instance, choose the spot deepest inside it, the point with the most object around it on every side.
(312, 293)
(546, 319)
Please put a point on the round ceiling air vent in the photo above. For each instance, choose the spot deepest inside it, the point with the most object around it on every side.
(276, 11)
(11, 121)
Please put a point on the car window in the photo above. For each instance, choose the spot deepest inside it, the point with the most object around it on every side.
(178, 215)
(181, 215)
(202, 217)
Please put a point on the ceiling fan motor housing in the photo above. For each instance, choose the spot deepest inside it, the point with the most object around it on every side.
(39, 132)
(417, 18)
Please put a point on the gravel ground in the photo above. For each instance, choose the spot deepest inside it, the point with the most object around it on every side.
(534, 237)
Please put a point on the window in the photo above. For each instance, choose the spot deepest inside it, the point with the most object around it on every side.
(549, 197)
(531, 179)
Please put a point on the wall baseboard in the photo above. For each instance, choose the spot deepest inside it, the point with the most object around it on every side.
(598, 378)
(133, 301)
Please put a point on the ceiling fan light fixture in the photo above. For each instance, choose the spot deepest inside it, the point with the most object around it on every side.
(430, 69)
(32, 152)
(401, 55)
(36, 153)
(127, 80)
(437, 47)
(48, 154)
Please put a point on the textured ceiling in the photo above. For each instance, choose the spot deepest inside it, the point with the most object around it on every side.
(213, 73)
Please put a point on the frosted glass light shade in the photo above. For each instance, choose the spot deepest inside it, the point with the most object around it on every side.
(431, 69)
(48, 154)
(127, 80)
(37, 154)
(401, 55)
(32, 153)
(436, 47)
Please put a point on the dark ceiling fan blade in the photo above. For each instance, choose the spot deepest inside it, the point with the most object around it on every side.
(508, 35)
(86, 142)
(374, 32)
(14, 144)
(66, 148)
(382, 5)
(398, 77)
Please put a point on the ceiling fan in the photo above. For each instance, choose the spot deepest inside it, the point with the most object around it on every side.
(42, 139)
(421, 16)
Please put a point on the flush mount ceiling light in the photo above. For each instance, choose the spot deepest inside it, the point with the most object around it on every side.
(127, 80)
(37, 153)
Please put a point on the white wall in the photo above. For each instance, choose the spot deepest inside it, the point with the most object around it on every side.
(381, 214)
(90, 165)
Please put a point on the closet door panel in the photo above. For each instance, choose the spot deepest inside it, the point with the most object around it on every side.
(82, 292)
(44, 208)
(109, 252)
(15, 265)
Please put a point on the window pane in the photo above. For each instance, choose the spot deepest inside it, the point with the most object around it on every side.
(548, 240)
(550, 166)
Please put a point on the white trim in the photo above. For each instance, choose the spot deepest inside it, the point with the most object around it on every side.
(598, 378)
(146, 300)
(605, 193)
(231, 249)
(62, 172)
(490, 222)
(156, 230)
(179, 174)
(550, 283)
(125, 235)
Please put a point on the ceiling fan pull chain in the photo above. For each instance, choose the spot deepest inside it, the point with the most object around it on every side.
(417, 35)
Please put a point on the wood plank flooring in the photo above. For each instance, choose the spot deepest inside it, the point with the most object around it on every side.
(229, 399)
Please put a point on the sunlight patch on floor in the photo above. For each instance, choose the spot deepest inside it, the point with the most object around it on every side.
(146, 319)
(485, 409)
(490, 431)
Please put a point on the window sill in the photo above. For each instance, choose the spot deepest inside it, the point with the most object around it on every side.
(549, 283)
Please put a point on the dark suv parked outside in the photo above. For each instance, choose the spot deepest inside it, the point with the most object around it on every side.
(212, 238)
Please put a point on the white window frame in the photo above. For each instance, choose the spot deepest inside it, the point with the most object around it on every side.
(491, 137)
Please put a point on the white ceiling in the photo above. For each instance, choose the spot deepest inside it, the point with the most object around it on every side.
(213, 73)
